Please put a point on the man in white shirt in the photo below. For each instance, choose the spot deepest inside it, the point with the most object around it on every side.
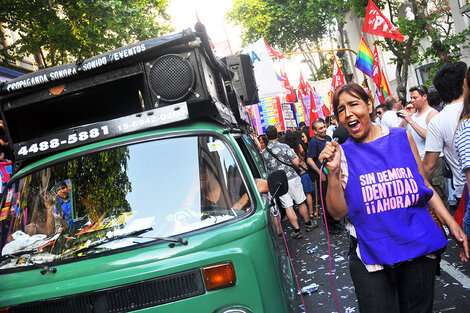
(417, 123)
(390, 117)
(441, 129)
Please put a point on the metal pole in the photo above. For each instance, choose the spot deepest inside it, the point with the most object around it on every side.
(318, 51)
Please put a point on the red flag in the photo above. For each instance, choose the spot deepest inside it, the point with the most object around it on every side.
(310, 89)
(302, 86)
(313, 114)
(288, 91)
(376, 70)
(325, 110)
(273, 52)
(377, 76)
(376, 23)
(338, 77)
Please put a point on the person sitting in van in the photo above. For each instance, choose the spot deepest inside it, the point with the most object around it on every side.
(215, 197)
(63, 206)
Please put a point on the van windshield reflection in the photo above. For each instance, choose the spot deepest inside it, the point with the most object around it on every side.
(170, 186)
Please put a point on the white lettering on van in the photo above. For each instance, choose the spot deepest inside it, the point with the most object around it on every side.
(28, 82)
(63, 73)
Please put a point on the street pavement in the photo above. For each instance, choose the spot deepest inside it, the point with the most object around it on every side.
(452, 287)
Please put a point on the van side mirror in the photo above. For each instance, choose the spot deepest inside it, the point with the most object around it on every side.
(277, 183)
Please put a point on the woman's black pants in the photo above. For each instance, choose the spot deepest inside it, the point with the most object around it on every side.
(405, 288)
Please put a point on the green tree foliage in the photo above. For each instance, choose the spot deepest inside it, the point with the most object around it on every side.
(99, 182)
(61, 31)
(299, 25)
(288, 25)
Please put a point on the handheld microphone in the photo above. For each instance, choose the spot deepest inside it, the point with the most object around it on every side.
(340, 135)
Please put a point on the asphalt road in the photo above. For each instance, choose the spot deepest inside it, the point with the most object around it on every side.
(452, 287)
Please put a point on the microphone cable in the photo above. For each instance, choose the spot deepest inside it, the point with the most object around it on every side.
(288, 255)
(328, 237)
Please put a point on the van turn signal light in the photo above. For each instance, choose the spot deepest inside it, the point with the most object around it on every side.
(219, 276)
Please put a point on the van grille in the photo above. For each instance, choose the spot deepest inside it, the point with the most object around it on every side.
(124, 298)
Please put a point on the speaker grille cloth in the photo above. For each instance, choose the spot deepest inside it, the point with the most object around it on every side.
(172, 77)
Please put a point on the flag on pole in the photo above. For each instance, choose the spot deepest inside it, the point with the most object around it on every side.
(313, 116)
(380, 94)
(326, 106)
(338, 77)
(365, 59)
(376, 23)
(273, 52)
(377, 76)
(310, 89)
(385, 88)
(302, 90)
(288, 91)
(325, 110)
(302, 85)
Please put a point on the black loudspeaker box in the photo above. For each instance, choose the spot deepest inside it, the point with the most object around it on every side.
(183, 76)
(243, 81)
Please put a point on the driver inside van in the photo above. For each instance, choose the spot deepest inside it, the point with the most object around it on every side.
(215, 196)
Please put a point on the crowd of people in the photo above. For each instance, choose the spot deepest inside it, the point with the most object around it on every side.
(394, 185)
(296, 153)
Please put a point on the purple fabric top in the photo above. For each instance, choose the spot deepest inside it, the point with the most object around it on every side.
(386, 196)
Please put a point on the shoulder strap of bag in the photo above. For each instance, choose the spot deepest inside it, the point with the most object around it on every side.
(291, 165)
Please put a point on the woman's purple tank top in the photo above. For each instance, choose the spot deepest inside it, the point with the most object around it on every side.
(386, 196)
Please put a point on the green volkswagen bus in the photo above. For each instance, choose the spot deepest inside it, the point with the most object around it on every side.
(136, 187)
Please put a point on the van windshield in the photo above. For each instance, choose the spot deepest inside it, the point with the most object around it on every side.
(119, 198)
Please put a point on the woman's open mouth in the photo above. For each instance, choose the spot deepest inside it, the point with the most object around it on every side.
(354, 126)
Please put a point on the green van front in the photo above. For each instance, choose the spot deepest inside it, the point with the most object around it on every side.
(125, 200)
(142, 236)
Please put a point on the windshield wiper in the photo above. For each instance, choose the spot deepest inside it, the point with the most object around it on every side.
(170, 239)
(135, 233)
(44, 267)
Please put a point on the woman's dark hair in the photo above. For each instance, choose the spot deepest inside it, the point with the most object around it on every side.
(301, 142)
(466, 101)
(306, 131)
(352, 89)
(293, 140)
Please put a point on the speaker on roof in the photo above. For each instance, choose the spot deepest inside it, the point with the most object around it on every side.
(244, 79)
(183, 76)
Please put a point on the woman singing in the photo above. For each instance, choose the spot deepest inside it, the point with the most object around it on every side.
(376, 180)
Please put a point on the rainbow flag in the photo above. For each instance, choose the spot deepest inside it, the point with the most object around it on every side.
(385, 88)
(365, 59)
